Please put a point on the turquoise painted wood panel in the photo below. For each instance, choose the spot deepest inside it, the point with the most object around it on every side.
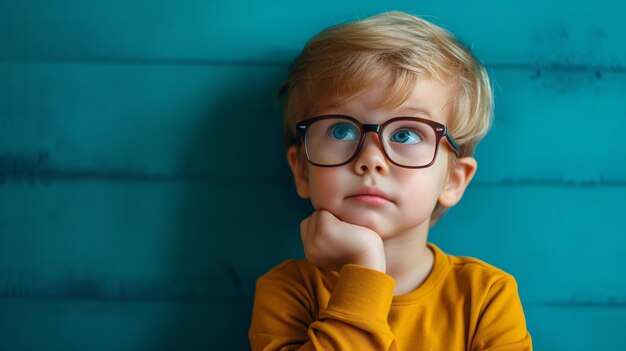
(144, 121)
(534, 32)
(66, 325)
(556, 127)
(576, 328)
(119, 240)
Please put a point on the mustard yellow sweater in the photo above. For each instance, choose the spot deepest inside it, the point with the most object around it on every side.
(464, 304)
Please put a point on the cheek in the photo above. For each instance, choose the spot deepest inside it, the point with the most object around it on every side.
(325, 187)
(420, 189)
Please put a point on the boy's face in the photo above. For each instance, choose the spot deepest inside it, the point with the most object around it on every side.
(406, 196)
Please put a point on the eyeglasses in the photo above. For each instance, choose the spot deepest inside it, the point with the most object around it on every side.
(335, 140)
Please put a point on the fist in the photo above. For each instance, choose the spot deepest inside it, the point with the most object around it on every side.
(330, 243)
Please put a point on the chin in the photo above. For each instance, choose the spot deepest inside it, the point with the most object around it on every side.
(371, 221)
(385, 227)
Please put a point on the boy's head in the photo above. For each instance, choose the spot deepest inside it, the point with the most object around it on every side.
(397, 51)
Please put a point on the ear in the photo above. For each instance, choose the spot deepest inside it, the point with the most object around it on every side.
(457, 180)
(299, 169)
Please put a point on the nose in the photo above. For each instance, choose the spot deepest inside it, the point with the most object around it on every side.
(371, 157)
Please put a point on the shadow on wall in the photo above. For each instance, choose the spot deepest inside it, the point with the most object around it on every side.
(239, 215)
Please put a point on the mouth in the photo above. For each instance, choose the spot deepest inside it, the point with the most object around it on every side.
(370, 196)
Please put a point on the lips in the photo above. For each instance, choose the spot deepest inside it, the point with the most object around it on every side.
(371, 195)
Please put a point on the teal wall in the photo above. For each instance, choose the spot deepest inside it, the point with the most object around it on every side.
(138, 204)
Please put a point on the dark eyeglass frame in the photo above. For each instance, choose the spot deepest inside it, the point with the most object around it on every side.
(441, 132)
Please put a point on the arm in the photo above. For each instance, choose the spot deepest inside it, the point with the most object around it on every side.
(355, 318)
(502, 326)
(356, 315)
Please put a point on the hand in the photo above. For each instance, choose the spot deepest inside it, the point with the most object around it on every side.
(330, 243)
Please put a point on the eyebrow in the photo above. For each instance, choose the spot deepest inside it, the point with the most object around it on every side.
(415, 110)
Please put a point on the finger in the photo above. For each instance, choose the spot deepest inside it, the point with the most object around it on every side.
(326, 220)
(307, 227)
(304, 225)
(322, 218)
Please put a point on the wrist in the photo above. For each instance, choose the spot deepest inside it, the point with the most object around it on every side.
(373, 258)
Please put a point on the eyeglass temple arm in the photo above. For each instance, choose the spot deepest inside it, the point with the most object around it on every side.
(453, 143)
(299, 134)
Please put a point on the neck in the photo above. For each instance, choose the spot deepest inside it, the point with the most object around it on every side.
(409, 260)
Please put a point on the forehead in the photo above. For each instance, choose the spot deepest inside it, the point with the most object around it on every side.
(429, 98)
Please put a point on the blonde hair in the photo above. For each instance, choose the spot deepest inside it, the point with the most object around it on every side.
(344, 60)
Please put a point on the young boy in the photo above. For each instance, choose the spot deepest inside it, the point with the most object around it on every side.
(382, 118)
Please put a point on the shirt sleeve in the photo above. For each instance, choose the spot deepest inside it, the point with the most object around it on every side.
(355, 318)
(502, 326)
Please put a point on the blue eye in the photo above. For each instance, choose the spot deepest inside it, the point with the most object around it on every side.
(406, 136)
(344, 131)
